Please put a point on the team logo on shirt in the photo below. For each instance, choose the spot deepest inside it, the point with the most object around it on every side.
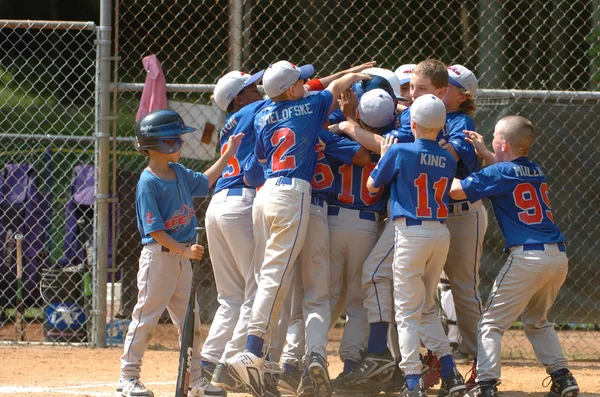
(150, 218)
(180, 217)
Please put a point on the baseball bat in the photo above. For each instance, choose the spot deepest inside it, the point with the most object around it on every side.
(187, 334)
(20, 306)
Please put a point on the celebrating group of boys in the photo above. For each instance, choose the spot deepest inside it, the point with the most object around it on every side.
(351, 194)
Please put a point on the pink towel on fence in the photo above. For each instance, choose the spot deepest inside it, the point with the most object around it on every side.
(154, 95)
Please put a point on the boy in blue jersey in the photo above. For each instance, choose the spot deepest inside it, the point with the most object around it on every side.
(354, 215)
(467, 222)
(537, 265)
(166, 221)
(229, 228)
(310, 313)
(287, 135)
(421, 174)
(427, 77)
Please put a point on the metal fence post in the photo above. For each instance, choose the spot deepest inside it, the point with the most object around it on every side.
(235, 34)
(102, 169)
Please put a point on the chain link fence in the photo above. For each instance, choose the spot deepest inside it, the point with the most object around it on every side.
(47, 172)
(534, 58)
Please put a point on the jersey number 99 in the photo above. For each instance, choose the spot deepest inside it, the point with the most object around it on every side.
(527, 199)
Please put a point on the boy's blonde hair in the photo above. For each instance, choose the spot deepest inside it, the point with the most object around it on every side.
(468, 107)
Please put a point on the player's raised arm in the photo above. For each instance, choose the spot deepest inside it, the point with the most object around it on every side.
(324, 82)
(343, 83)
(214, 172)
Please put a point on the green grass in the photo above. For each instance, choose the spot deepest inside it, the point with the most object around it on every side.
(31, 313)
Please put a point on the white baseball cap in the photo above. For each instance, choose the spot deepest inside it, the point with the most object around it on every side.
(462, 77)
(404, 72)
(428, 111)
(389, 76)
(282, 75)
(230, 85)
(376, 108)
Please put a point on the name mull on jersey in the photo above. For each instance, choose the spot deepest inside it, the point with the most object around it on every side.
(285, 114)
(521, 170)
(180, 217)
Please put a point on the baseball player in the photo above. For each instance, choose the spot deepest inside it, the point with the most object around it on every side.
(467, 222)
(287, 135)
(166, 222)
(403, 74)
(430, 77)
(310, 296)
(421, 174)
(537, 265)
(353, 229)
(229, 226)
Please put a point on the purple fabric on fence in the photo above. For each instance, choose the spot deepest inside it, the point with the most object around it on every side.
(17, 183)
(79, 217)
(25, 210)
(83, 185)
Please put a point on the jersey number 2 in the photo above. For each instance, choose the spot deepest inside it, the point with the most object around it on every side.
(527, 199)
(423, 209)
(285, 138)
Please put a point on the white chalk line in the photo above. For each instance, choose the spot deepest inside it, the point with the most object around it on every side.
(70, 390)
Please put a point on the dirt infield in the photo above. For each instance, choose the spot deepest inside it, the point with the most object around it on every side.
(35, 370)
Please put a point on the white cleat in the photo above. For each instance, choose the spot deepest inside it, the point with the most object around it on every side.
(248, 369)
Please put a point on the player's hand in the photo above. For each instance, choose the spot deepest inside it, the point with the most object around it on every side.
(359, 76)
(233, 144)
(321, 146)
(444, 144)
(195, 251)
(387, 143)
(348, 103)
(477, 141)
(341, 128)
(360, 68)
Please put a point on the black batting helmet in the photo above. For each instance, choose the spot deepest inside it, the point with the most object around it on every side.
(159, 130)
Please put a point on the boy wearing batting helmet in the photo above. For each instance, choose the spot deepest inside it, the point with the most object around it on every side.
(166, 222)
(537, 264)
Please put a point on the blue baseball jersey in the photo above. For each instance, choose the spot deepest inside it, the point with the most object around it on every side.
(338, 149)
(241, 121)
(167, 205)
(456, 123)
(518, 192)
(336, 116)
(351, 187)
(287, 134)
(421, 174)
